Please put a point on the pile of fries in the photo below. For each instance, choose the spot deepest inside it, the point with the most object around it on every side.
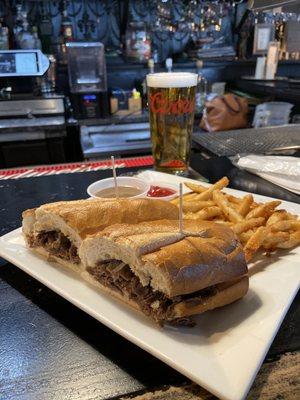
(259, 226)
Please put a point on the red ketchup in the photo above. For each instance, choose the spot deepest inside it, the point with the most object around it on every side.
(158, 191)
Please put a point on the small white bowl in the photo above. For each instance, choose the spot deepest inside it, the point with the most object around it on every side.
(138, 183)
(168, 186)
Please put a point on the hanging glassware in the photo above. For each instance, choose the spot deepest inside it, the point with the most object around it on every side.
(45, 29)
(66, 34)
(138, 42)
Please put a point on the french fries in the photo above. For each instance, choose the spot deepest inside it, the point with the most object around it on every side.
(278, 215)
(272, 240)
(263, 209)
(258, 226)
(195, 188)
(234, 200)
(254, 243)
(207, 194)
(209, 213)
(293, 241)
(245, 205)
(245, 236)
(285, 225)
(191, 206)
(186, 197)
(225, 206)
(245, 225)
(221, 221)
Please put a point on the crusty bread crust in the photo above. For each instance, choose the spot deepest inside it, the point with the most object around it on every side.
(77, 219)
(195, 263)
(89, 216)
(227, 294)
(29, 212)
(174, 264)
(28, 221)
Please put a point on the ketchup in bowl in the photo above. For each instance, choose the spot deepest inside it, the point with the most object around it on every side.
(159, 191)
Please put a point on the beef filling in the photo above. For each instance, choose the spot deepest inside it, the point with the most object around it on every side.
(57, 244)
(118, 276)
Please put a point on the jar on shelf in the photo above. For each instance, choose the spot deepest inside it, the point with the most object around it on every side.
(4, 38)
(138, 42)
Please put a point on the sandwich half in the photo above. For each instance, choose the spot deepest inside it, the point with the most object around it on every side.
(56, 230)
(167, 275)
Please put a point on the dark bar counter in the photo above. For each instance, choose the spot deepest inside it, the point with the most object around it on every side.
(49, 349)
(279, 90)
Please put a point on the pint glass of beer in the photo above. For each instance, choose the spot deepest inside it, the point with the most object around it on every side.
(171, 98)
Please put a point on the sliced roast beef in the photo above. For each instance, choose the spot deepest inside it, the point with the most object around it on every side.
(118, 276)
(57, 244)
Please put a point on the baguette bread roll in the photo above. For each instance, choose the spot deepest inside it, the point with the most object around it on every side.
(80, 218)
(74, 220)
(173, 263)
(166, 274)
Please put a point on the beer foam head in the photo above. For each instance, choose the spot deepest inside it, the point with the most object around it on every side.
(172, 80)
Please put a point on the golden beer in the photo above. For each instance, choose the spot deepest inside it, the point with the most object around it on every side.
(171, 99)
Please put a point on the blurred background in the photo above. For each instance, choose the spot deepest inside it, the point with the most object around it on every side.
(92, 101)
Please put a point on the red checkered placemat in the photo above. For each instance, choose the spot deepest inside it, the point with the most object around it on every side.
(28, 172)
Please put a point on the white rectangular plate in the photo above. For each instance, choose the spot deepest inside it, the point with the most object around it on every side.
(224, 352)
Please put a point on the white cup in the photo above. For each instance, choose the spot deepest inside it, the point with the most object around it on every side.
(138, 183)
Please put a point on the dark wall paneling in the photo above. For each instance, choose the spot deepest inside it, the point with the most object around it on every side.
(107, 20)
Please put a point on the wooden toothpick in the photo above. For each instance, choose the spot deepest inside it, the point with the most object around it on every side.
(115, 176)
(180, 209)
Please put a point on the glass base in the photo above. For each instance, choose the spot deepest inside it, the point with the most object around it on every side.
(186, 173)
(172, 171)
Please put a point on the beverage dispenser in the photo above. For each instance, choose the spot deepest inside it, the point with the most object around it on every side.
(88, 80)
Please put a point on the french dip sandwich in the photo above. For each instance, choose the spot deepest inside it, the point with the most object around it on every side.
(56, 230)
(167, 275)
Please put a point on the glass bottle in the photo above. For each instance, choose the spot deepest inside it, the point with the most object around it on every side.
(37, 42)
(201, 90)
(144, 84)
(138, 43)
(18, 25)
(25, 38)
(46, 33)
(169, 64)
(155, 56)
(4, 43)
(4, 35)
(66, 27)
(66, 35)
